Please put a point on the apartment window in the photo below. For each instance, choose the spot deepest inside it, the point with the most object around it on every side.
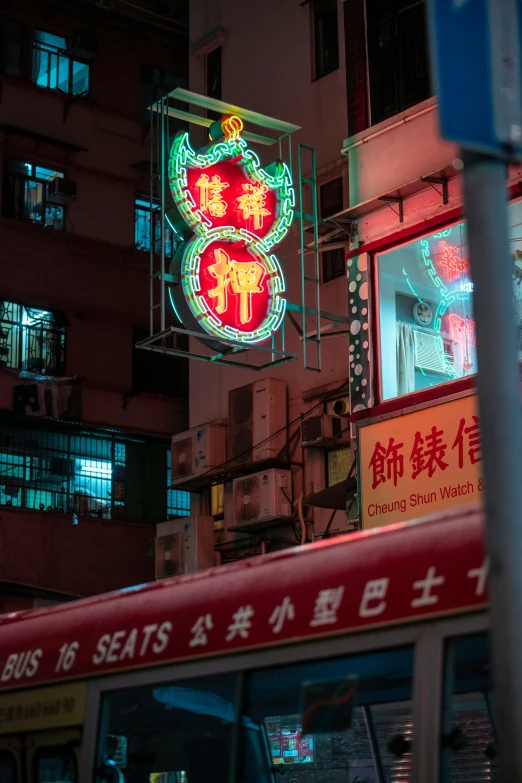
(397, 56)
(214, 73)
(26, 197)
(55, 69)
(31, 339)
(217, 501)
(64, 472)
(330, 203)
(147, 227)
(11, 37)
(338, 464)
(178, 502)
(325, 37)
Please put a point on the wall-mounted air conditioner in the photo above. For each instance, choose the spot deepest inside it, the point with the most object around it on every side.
(198, 451)
(257, 421)
(61, 191)
(184, 546)
(260, 497)
(430, 353)
(324, 431)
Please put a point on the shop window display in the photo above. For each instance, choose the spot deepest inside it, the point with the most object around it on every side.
(426, 319)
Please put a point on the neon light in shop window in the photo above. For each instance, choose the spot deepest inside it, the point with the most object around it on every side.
(462, 330)
(452, 264)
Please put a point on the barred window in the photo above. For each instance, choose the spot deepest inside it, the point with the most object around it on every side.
(178, 502)
(31, 339)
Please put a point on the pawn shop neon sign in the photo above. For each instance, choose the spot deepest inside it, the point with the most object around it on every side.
(230, 283)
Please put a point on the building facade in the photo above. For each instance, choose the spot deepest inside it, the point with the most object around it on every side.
(86, 418)
(354, 77)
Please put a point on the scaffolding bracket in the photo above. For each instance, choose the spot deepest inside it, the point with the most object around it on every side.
(164, 342)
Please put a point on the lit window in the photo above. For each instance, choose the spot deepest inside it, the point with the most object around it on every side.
(217, 500)
(31, 339)
(147, 221)
(178, 502)
(54, 69)
(63, 472)
(427, 325)
(426, 313)
(25, 194)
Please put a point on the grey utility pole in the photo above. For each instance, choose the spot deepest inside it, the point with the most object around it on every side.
(501, 428)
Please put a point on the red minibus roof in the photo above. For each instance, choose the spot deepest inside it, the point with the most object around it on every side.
(371, 579)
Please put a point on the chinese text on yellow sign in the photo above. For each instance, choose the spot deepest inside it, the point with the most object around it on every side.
(420, 463)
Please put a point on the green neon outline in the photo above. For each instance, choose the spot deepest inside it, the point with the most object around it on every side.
(183, 156)
(208, 320)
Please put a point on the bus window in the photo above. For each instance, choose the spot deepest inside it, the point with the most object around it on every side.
(377, 746)
(55, 765)
(469, 747)
(7, 767)
(168, 733)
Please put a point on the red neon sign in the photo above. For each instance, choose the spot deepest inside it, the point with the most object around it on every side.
(453, 266)
(462, 330)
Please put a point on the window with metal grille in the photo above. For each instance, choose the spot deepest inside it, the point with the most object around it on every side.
(147, 227)
(25, 194)
(178, 502)
(55, 69)
(31, 339)
(65, 472)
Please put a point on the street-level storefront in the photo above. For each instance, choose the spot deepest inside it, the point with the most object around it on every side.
(413, 368)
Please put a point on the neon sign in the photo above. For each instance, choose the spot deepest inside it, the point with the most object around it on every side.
(232, 285)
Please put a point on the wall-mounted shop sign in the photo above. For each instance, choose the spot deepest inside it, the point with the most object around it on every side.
(421, 462)
(231, 284)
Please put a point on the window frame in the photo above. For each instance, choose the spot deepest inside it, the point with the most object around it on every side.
(318, 74)
(56, 750)
(11, 168)
(59, 53)
(59, 332)
(401, 103)
(442, 390)
(427, 638)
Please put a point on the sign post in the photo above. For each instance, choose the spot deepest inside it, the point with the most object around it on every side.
(475, 46)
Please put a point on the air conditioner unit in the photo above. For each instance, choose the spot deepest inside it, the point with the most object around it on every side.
(198, 451)
(430, 353)
(84, 45)
(61, 191)
(324, 430)
(338, 407)
(257, 421)
(184, 546)
(260, 497)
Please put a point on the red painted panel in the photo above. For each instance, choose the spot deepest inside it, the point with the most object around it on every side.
(392, 576)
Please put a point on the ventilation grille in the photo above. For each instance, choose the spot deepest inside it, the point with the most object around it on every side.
(182, 458)
(241, 442)
(247, 500)
(240, 406)
(169, 556)
(429, 353)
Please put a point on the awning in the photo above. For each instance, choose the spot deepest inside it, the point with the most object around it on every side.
(334, 497)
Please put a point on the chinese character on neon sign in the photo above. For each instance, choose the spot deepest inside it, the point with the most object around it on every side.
(232, 285)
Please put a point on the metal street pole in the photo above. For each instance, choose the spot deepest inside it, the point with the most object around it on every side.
(501, 427)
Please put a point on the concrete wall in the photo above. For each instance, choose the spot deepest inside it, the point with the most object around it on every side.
(45, 550)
